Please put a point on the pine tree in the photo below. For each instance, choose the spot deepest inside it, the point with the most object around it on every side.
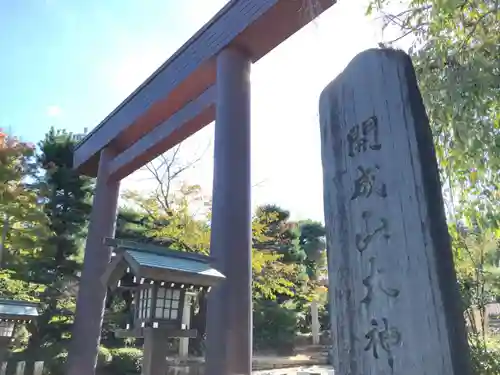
(66, 196)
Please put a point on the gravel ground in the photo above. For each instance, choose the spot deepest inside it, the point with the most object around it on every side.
(314, 370)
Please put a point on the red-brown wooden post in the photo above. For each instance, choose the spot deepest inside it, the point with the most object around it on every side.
(229, 325)
(92, 293)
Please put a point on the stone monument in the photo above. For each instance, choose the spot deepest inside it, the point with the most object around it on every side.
(393, 289)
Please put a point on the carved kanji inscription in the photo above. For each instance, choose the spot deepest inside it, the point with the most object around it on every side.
(364, 239)
(383, 337)
(366, 183)
(363, 137)
(374, 281)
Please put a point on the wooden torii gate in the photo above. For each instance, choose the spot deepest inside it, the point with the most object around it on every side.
(207, 79)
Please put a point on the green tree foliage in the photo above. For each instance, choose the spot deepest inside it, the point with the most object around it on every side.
(48, 206)
(135, 225)
(312, 241)
(299, 248)
(20, 212)
(16, 165)
(271, 276)
(456, 53)
(186, 230)
(55, 265)
(298, 244)
(177, 226)
(476, 253)
(126, 361)
(275, 326)
(21, 222)
(280, 251)
(456, 50)
(281, 235)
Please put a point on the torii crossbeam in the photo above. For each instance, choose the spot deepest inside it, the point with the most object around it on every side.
(207, 79)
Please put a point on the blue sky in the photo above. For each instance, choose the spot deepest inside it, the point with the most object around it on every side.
(58, 57)
(68, 63)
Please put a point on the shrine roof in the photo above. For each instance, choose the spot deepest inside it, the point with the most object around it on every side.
(155, 260)
(161, 264)
(21, 310)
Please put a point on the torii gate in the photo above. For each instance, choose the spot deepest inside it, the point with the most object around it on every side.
(207, 79)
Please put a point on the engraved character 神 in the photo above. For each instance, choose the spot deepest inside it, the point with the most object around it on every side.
(385, 338)
(363, 137)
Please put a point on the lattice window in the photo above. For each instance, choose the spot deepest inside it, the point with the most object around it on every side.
(167, 303)
(145, 302)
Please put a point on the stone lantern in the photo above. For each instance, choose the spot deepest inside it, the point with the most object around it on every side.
(157, 281)
(160, 303)
(11, 314)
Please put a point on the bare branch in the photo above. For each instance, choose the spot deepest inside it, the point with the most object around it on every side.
(160, 193)
(475, 25)
(261, 182)
(404, 35)
(165, 170)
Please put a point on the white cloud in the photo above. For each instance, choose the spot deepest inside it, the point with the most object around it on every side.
(54, 111)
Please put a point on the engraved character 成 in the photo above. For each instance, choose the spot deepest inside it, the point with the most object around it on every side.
(365, 184)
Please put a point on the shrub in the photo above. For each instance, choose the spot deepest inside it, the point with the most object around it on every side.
(104, 357)
(125, 361)
(275, 326)
(485, 355)
(56, 365)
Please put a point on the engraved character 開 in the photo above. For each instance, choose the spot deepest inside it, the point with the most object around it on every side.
(363, 137)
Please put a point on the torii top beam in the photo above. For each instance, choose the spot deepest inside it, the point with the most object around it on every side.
(178, 99)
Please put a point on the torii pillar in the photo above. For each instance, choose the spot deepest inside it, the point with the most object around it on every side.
(88, 317)
(207, 78)
(229, 325)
